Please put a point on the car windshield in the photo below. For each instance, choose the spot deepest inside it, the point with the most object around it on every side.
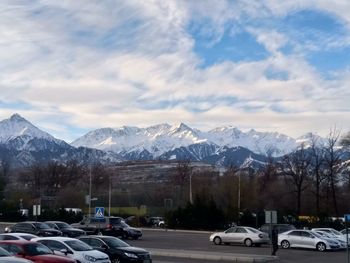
(319, 235)
(28, 237)
(253, 230)
(36, 249)
(123, 224)
(78, 245)
(115, 220)
(4, 253)
(63, 225)
(115, 242)
(335, 232)
(41, 225)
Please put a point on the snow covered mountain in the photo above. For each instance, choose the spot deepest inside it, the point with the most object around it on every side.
(22, 144)
(162, 139)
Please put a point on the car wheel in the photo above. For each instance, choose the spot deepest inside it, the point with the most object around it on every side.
(248, 242)
(217, 241)
(321, 247)
(285, 244)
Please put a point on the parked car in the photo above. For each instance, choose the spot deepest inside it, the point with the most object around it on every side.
(118, 250)
(74, 249)
(248, 236)
(66, 229)
(17, 236)
(35, 228)
(33, 251)
(111, 226)
(266, 228)
(306, 239)
(326, 235)
(6, 257)
(331, 231)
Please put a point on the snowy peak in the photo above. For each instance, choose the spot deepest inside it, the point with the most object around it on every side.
(17, 126)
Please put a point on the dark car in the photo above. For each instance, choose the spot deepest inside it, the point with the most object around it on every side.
(67, 230)
(111, 226)
(33, 251)
(36, 228)
(118, 250)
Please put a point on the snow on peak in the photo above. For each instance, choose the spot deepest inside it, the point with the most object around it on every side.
(16, 126)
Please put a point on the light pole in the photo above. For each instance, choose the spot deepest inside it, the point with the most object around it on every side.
(191, 200)
(90, 192)
(109, 195)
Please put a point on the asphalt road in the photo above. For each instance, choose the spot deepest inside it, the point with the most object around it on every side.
(197, 242)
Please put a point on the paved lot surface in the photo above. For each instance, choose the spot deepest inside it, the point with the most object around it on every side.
(177, 240)
(178, 243)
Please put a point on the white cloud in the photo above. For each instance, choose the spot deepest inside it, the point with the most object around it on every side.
(94, 65)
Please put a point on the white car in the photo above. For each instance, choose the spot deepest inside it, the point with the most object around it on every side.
(331, 236)
(73, 248)
(306, 239)
(248, 236)
(332, 231)
(17, 236)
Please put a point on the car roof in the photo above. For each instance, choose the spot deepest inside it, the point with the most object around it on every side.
(56, 238)
(17, 234)
(54, 222)
(19, 242)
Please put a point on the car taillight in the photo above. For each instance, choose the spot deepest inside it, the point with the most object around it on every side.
(109, 226)
(261, 235)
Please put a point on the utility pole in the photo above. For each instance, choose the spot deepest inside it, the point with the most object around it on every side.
(90, 186)
(239, 196)
(191, 199)
(109, 195)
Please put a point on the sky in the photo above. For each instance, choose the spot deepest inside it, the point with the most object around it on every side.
(70, 67)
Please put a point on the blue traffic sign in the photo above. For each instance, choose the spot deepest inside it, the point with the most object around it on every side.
(347, 217)
(99, 212)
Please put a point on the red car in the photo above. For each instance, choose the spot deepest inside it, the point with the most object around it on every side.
(33, 251)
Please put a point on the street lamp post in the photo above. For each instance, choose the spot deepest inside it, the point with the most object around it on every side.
(109, 195)
(90, 186)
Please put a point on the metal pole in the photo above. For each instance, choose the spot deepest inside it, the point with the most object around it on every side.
(109, 195)
(239, 197)
(90, 192)
(191, 200)
(347, 239)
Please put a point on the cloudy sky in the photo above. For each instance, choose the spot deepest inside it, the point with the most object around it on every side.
(73, 66)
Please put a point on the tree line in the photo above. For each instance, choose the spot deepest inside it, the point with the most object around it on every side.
(312, 181)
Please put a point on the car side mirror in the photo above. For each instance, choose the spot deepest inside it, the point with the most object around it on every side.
(82, 223)
(65, 251)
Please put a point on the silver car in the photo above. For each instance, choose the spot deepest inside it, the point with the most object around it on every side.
(306, 239)
(248, 236)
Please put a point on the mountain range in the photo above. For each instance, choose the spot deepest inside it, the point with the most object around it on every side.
(23, 144)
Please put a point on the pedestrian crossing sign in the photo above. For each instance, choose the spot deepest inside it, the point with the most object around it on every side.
(99, 212)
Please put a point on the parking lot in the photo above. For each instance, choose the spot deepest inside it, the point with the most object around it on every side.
(168, 246)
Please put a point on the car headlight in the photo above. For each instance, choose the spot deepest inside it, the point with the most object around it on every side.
(130, 255)
(89, 258)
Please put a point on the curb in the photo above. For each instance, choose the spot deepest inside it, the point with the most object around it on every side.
(211, 256)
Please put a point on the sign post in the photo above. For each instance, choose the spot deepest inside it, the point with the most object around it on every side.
(36, 211)
(271, 218)
(347, 219)
(99, 214)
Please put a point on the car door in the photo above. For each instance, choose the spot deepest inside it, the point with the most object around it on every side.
(307, 240)
(240, 235)
(294, 238)
(58, 248)
(228, 235)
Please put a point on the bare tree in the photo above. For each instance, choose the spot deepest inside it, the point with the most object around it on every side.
(295, 167)
(317, 160)
(332, 165)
